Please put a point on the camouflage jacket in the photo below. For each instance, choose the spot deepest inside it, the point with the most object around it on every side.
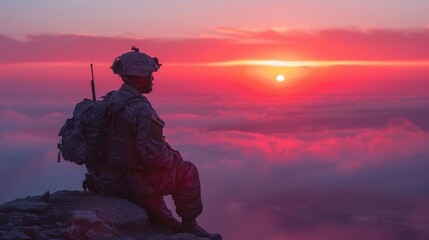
(136, 134)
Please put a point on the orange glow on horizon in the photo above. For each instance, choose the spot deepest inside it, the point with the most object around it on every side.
(247, 77)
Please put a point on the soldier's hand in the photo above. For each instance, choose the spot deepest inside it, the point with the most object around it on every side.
(176, 153)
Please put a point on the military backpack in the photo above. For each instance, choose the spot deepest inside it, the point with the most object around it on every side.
(83, 135)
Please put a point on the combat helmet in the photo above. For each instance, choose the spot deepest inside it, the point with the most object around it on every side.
(135, 63)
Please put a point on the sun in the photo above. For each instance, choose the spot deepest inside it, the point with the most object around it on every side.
(280, 78)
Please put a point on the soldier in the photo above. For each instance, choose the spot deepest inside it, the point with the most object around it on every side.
(140, 165)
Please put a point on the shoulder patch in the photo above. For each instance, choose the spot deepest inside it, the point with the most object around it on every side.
(157, 119)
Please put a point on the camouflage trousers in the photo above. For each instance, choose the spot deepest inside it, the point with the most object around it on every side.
(148, 188)
(182, 183)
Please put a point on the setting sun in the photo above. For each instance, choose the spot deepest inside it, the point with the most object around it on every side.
(280, 78)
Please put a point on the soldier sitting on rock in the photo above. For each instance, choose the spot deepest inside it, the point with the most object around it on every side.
(139, 164)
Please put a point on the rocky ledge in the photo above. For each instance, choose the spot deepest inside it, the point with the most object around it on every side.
(79, 215)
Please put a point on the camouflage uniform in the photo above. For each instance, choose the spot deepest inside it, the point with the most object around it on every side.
(141, 166)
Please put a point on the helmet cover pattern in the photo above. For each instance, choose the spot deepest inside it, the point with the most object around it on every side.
(135, 63)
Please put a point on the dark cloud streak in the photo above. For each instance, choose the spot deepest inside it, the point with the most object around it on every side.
(329, 44)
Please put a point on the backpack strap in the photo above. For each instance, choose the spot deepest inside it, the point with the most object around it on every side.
(115, 108)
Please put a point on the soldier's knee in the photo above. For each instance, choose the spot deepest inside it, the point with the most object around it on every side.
(189, 168)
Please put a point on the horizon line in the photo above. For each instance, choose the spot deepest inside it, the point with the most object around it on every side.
(256, 62)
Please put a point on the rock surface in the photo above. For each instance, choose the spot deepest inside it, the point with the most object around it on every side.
(79, 215)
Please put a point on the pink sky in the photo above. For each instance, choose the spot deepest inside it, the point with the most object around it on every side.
(338, 149)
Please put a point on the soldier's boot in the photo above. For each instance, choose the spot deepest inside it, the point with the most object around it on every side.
(160, 215)
(192, 227)
(171, 223)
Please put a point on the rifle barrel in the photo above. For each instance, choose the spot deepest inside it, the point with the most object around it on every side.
(93, 84)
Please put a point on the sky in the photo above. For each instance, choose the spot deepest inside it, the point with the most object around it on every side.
(337, 150)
